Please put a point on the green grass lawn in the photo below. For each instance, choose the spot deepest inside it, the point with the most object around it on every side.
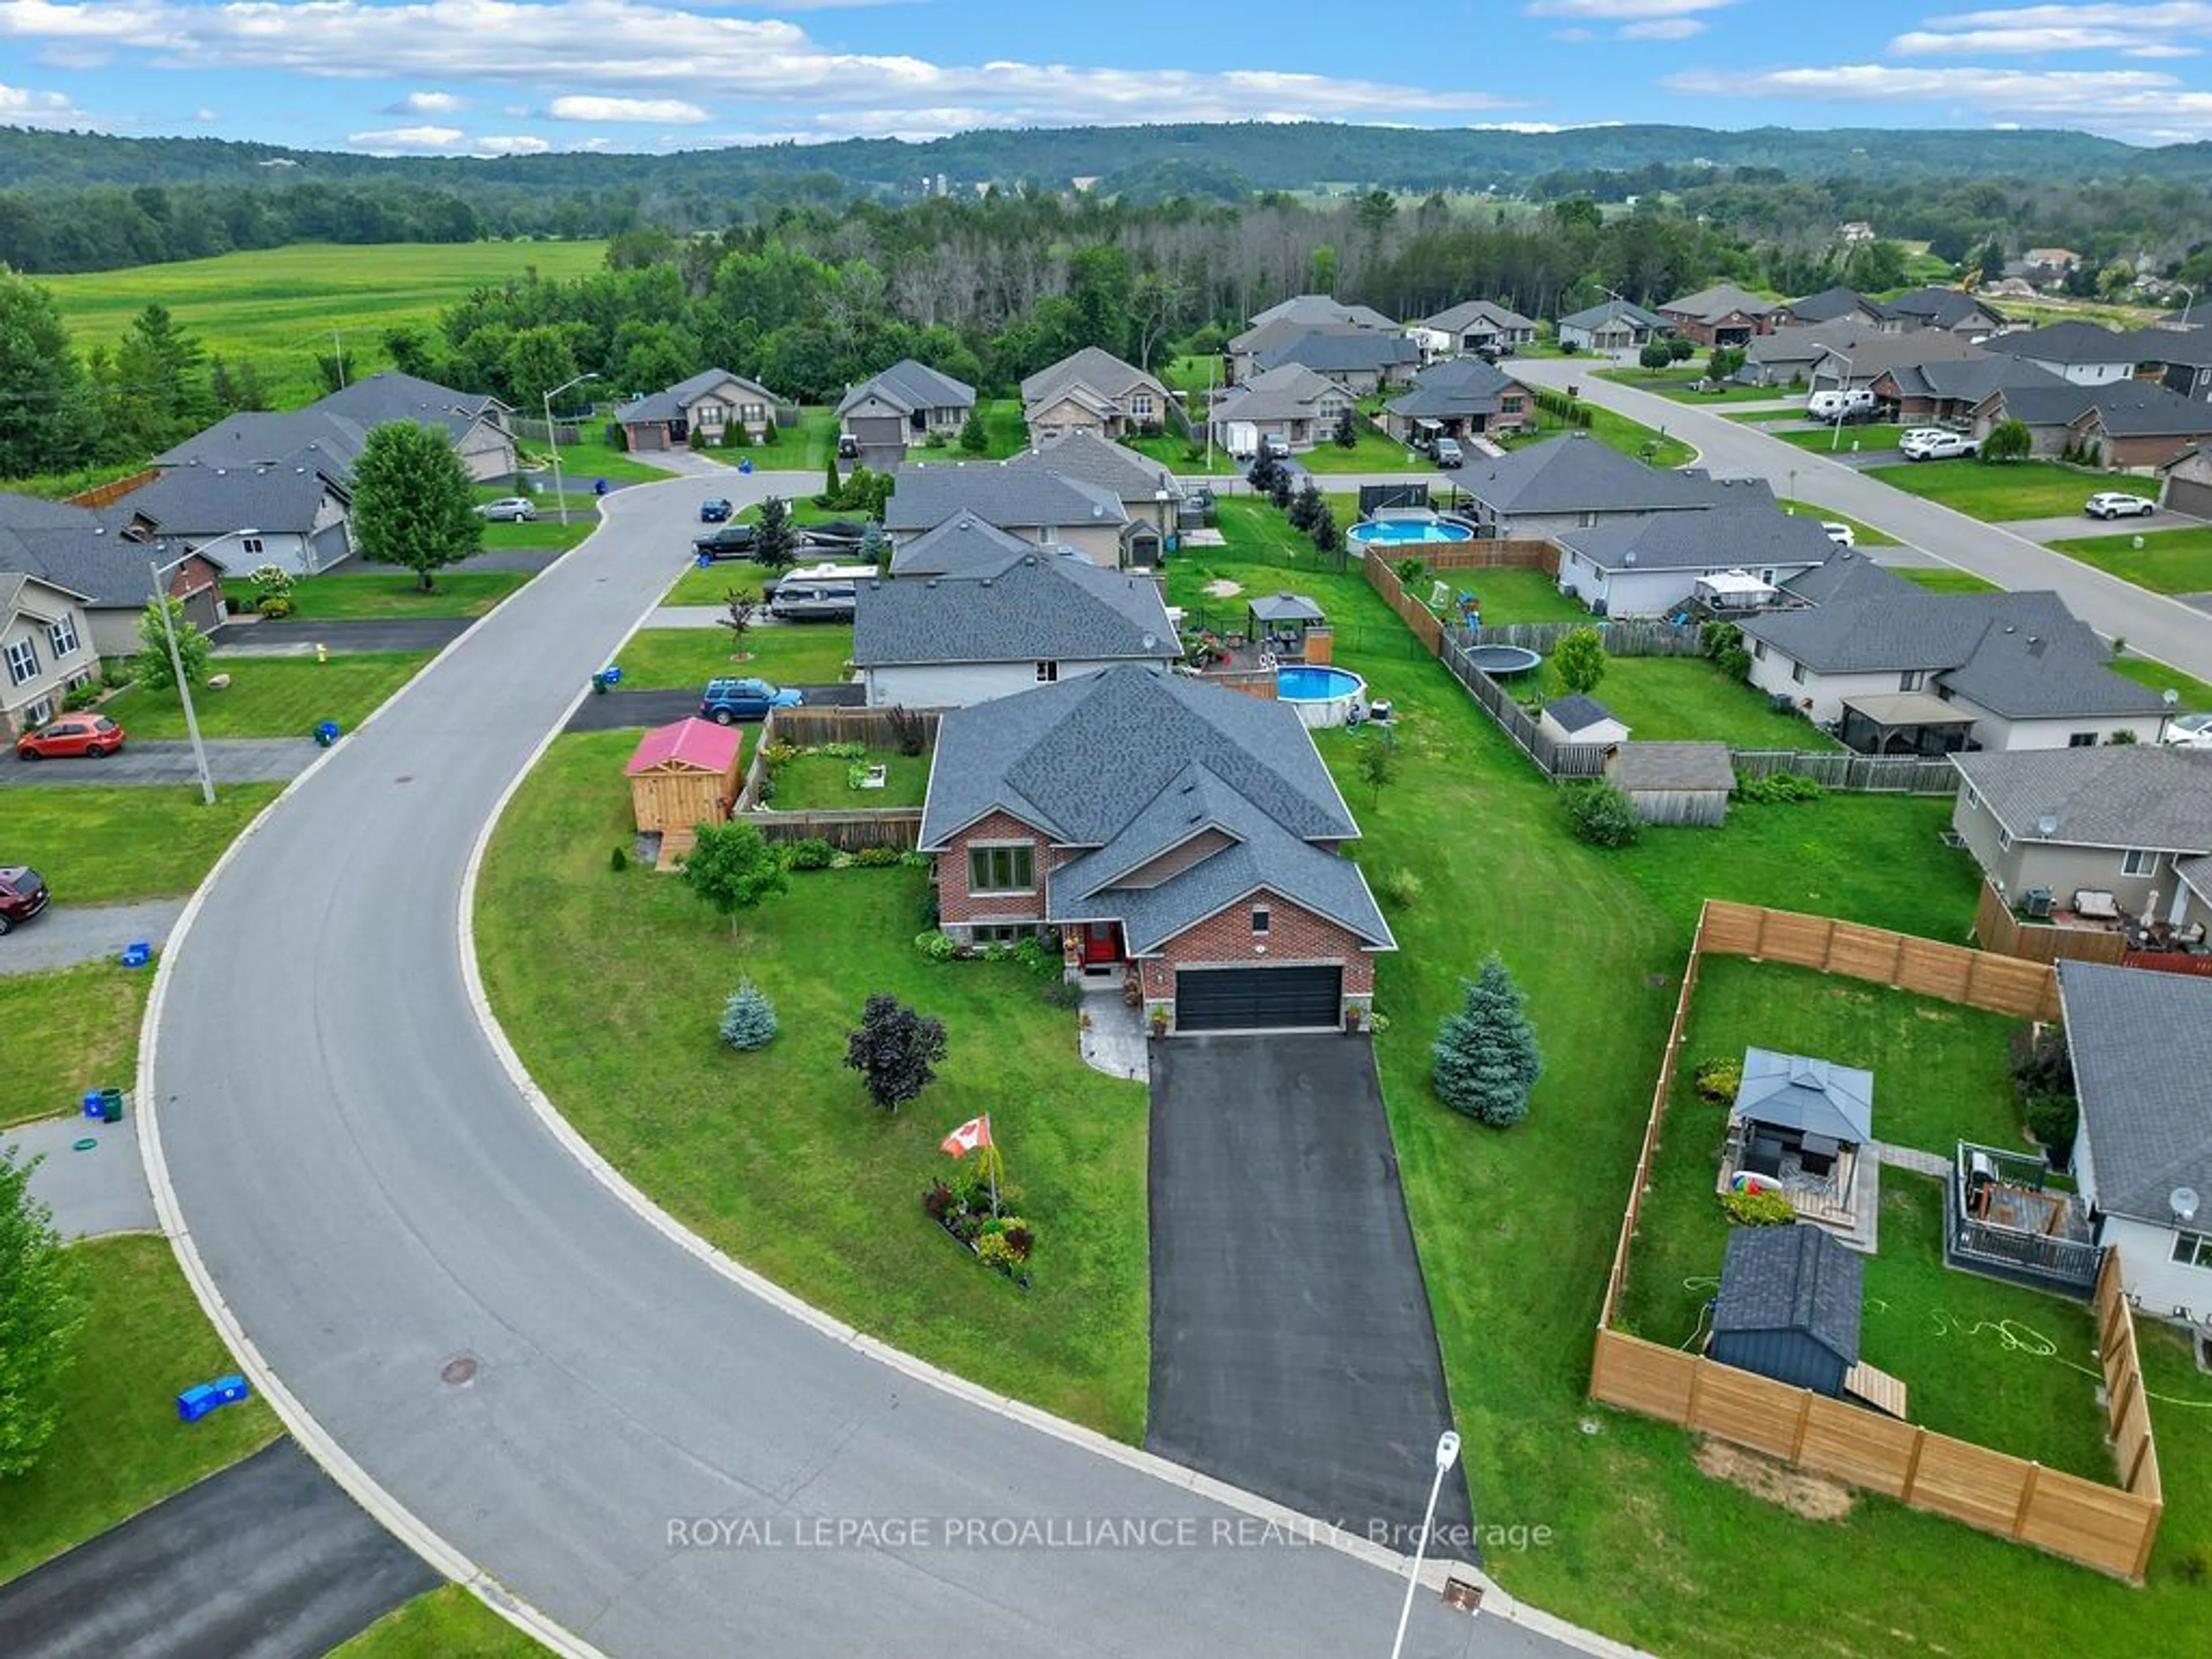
(1629, 437)
(817, 783)
(1942, 579)
(2016, 489)
(714, 585)
(1515, 596)
(543, 534)
(1190, 374)
(273, 697)
(386, 595)
(811, 653)
(1261, 554)
(1868, 437)
(120, 1447)
(805, 447)
(2194, 693)
(1673, 699)
(104, 846)
(69, 1030)
(591, 457)
(1376, 452)
(276, 306)
(776, 1156)
(1678, 384)
(446, 1623)
(1174, 452)
(2169, 560)
(1867, 534)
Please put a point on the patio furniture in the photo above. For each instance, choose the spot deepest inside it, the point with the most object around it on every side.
(2093, 905)
(1818, 1155)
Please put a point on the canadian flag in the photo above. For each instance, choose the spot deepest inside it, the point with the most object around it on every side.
(976, 1131)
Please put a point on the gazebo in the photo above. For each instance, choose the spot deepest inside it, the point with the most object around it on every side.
(681, 776)
(1289, 625)
(1904, 723)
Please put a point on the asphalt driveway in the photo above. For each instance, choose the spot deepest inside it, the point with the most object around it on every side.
(616, 710)
(268, 1560)
(142, 761)
(1293, 1351)
(65, 935)
(300, 639)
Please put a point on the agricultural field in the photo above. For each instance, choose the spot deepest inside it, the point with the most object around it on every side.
(277, 306)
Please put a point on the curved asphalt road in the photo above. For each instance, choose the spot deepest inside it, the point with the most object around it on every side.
(2153, 624)
(373, 1199)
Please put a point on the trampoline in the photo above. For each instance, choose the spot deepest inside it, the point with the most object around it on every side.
(1498, 660)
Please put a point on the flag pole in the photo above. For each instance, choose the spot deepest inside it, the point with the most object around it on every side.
(993, 1167)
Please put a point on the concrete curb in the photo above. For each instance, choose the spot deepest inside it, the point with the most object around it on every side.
(401, 1522)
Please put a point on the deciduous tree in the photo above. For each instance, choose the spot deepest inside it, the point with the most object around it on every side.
(411, 501)
(40, 1312)
(1579, 660)
(151, 667)
(732, 867)
(894, 1050)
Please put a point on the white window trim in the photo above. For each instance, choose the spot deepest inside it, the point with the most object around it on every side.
(975, 847)
(2004, 840)
(2138, 861)
(63, 627)
(22, 658)
(2199, 1247)
(39, 712)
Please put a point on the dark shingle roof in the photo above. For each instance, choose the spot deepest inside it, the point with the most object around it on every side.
(1468, 315)
(2025, 675)
(1578, 474)
(2071, 341)
(1719, 301)
(1093, 367)
(1341, 351)
(1795, 1278)
(1831, 303)
(961, 545)
(1457, 386)
(1686, 766)
(2142, 1048)
(1941, 307)
(1844, 574)
(1024, 497)
(2117, 795)
(297, 437)
(77, 549)
(670, 402)
(392, 396)
(1796, 1091)
(1576, 713)
(1596, 319)
(1970, 377)
(1286, 391)
(908, 385)
(200, 499)
(1087, 458)
(1752, 535)
(1032, 606)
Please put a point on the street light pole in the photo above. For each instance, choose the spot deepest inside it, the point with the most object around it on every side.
(1447, 1454)
(553, 438)
(155, 572)
(1842, 385)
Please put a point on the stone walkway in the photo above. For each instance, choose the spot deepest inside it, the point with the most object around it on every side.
(100, 1189)
(1114, 1042)
(1912, 1158)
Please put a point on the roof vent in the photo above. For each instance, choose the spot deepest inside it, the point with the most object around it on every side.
(931, 583)
(2184, 1202)
(2034, 646)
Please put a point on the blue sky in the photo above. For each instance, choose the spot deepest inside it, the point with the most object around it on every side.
(518, 76)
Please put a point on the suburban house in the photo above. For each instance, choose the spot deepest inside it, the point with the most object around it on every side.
(1460, 397)
(294, 517)
(1291, 403)
(1653, 564)
(1830, 304)
(2123, 424)
(1174, 834)
(1616, 325)
(81, 552)
(1788, 355)
(960, 637)
(1948, 390)
(1865, 362)
(2186, 483)
(2131, 821)
(1722, 315)
(1360, 359)
(1311, 310)
(2141, 1045)
(1094, 391)
(46, 646)
(2081, 352)
(1044, 508)
(1952, 310)
(704, 408)
(1992, 671)
(2180, 356)
(476, 424)
(1575, 483)
(1144, 487)
(1472, 327)
(905, 406)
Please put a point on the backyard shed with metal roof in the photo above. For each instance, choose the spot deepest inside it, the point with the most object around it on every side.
(683, 776)
(1788, 1307)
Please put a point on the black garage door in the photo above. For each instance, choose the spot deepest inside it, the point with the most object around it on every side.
(1257, 998)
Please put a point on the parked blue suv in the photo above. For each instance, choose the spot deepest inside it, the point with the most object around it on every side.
(728, 701)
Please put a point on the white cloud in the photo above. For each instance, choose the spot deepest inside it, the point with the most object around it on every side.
(515, 146)
(2132, 31)
(428, 103)
(399, 138)
(2134, 103)
(24, 107)
(657, 50)
(1663, 28)
(205, 117)
(41, 20)
(1616, 10)
(584, 108)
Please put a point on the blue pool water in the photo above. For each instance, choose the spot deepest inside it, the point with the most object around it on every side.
(1394, 532)
(1304, 685)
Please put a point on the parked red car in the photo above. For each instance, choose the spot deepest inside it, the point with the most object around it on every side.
(22, 895)
(89, 735)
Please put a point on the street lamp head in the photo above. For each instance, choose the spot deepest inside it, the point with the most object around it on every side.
(1446, 1451)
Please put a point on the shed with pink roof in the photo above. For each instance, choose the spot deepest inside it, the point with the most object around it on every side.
(683, 776)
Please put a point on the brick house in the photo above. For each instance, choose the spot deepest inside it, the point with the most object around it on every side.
(1722, 315)
(1172, 836)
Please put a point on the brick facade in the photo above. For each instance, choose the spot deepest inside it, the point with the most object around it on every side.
(1295, 936)
(956, 907)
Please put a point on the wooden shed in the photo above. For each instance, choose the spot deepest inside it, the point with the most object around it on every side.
(683, 776)
(1677, 783)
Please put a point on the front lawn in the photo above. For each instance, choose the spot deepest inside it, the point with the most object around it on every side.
(1674, 699)
(273, 697)
(1629, 437)
(1376, 452)
(120, 1447)
(387, 595)
(2169, 560)
(446, 1623)
(822, 783)
(776, 1156)
(69, 1030)
(1943, 578)
(1867, 534)
(1185, 459)
(1994, 493)
(2194, 693)
(545, 533)
(1854, 439)
(789, 653)
(1679, 384)
(99, 845)
(592, 458)
(714, 585)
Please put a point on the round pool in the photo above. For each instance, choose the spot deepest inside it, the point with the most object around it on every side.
(1322, 696)
(1402, 532)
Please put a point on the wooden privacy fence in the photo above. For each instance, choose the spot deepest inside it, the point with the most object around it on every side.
(2000, 931)
(114, 491)
(1417, 617)
(1621, 639)
(2110, 1528)
(1866, 775)
(1500, 553)
(851, 830)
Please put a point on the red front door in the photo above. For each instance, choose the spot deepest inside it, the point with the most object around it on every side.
(1101, 943)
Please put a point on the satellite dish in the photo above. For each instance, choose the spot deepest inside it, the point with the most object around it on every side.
(2184, 1200)
(2171, 697)
(2046, 826)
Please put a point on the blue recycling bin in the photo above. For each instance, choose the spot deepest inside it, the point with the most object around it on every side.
(92, 1109)
(326, 734)
(745, 465)
(705, 562)
(196, 1403)
(599, 486)
(137, 953)
(611, 673)
(230, 1391)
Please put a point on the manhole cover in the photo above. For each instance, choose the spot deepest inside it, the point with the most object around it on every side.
(1655, 980)
(405, 777)
(461, 1369)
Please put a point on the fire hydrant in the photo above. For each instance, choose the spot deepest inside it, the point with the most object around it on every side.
(322, 652)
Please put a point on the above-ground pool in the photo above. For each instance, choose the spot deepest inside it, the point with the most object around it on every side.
(1322, 696)
(1503, 658)
(1403, 526)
